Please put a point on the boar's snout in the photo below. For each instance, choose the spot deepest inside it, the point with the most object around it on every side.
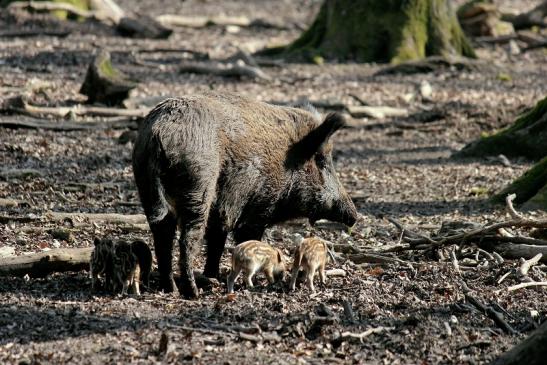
(346, 211)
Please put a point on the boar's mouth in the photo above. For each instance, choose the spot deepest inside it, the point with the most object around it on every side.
(346, 218)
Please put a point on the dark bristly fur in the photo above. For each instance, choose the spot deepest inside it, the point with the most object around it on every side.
(126, 268)
(218, 163)
(144, 258)
(101, 263)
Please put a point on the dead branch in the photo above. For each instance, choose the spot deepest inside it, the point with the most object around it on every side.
(526, 285)
(222, 20)
(112, 218)
(43, 263)
(114, 123)
(373, 258)
(534, 17)
(527, 264)
(494, 315)
(515, 252)
(56, 6)
(228, 70)
(18, 104)
(33, 33)
(361, 336)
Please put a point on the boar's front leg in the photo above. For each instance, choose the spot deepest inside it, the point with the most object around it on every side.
(215, 238)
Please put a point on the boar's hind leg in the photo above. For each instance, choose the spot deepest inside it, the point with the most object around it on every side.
(164, 234)
(192, 211)
(215, 237)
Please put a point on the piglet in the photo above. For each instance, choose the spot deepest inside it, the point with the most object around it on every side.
(310, 255)
(252, 257)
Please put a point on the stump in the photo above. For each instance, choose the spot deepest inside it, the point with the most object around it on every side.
(105, 84)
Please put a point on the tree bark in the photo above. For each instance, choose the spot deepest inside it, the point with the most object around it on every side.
(44, 263)
(381, 31)
(531, 351)
(527, 137)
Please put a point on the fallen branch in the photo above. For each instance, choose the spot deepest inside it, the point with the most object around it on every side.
(229, 70)
(526, 285)
(21, 106)
(98, 217)
(527, 264)
(204, 21)
(361, 336)
(116, 123)
(34, 33)
(494, 315)
(373, 258)
(43, 263)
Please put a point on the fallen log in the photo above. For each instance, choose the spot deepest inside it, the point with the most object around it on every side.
(44, 263)
(131, 219)
(117, 123)
(225, 70)
(19, 105)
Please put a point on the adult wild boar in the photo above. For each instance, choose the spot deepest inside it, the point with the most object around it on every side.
(218, 163)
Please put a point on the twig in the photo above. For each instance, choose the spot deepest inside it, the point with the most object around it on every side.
(454, 260)
(361, 336)
(491, 313)
(527, 264)
(525, 285)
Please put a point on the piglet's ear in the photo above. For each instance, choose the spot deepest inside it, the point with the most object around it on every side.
(308, 146)
(279, 257)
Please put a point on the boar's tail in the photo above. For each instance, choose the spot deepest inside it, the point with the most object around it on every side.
(149, 160)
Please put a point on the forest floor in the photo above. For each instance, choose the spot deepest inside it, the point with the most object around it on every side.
(400, 168)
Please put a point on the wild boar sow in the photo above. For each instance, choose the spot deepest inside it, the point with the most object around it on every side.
(218, 163)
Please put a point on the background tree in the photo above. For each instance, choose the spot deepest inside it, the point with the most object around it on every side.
(526, 137)
(381, 31)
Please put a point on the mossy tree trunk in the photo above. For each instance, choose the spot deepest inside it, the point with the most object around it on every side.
(526, 137)
(530, 188)
(381, 31)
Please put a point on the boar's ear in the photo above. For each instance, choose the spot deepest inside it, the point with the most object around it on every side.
(304, 149)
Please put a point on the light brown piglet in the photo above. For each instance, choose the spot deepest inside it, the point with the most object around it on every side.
(310, 255)
(252, 257)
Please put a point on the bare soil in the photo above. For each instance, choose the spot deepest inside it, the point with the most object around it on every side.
(400, 168)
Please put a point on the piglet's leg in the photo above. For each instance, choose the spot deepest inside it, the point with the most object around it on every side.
(232, 278)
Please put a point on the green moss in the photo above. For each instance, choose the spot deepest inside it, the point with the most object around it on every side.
(106, 68)
(528, 185)
(527, 137)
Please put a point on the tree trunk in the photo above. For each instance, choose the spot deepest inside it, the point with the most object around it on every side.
(381, 31)
(526, 137)
(531, 351)
(530, 188)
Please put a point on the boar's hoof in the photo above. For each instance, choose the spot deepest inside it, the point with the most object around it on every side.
(168, 286)
(189, 289)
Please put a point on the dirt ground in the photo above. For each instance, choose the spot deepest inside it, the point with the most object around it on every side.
(400, 168)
